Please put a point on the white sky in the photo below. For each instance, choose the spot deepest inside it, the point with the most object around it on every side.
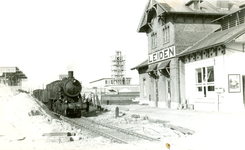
(46, 38)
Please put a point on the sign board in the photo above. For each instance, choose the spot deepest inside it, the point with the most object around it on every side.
(7, 69)
(219, 90)
(61, 76)
(161, 55)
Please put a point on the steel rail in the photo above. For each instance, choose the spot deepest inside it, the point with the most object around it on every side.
(123, 130)
(113, 138)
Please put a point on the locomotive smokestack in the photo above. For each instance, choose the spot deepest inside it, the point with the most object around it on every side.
(70, 74)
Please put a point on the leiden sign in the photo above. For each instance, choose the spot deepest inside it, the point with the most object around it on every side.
(161, 55)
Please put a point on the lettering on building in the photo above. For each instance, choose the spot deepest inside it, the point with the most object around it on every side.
(161, 55)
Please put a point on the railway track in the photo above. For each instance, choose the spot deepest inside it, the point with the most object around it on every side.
(114, 133)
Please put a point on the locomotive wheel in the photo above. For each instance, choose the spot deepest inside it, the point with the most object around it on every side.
(54, 108)
(79, 114)
(65, 112)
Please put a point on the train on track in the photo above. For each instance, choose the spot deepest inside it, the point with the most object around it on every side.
(63, 96)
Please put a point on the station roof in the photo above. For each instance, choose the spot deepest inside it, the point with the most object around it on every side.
(143, 64)
(12, 72)
(238, 10)
(107, 79)
(208, 7)
(100, 80)
(216, 39)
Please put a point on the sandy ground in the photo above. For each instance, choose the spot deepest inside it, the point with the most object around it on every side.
(24, 121)
(212, 130)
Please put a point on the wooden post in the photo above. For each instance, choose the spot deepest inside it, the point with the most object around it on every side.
(100, 96)
(94, 96)
(117, 112)
(5, 79)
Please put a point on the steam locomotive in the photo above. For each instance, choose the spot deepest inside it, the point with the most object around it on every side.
(63, 96)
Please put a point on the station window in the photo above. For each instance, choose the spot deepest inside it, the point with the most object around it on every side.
(153, 40)
(205, 80)
(166, 35)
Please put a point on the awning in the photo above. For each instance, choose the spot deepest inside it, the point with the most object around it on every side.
(143, 64)
(163, 65)
(151, 67)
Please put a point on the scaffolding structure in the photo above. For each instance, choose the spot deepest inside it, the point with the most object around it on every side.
(118, 68)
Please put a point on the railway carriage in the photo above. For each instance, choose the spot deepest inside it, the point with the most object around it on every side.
(37, 94)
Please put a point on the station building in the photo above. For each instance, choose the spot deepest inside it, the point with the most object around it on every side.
(11, 76)
(105, 85)
(172, 28)
(11, 79)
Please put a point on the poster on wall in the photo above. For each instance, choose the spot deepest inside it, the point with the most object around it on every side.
(234, 84)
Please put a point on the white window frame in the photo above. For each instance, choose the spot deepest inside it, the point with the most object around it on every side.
(204, 84)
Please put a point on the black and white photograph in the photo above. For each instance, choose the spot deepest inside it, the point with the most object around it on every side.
(234, 83)
(122, 74)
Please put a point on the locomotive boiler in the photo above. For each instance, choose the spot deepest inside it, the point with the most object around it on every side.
(63, 96)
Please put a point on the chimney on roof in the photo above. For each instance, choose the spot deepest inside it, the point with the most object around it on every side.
(194, 4)
(223, 4)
